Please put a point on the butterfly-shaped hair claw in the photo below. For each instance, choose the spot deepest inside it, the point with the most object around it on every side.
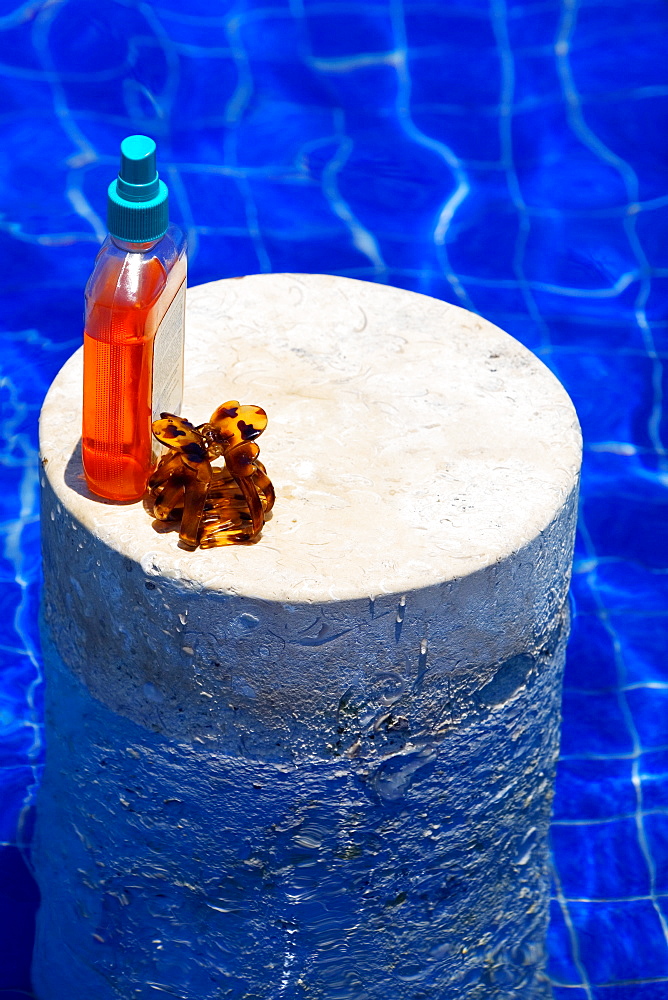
(217, 505)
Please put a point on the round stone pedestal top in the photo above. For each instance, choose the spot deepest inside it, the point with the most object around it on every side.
(410, 441)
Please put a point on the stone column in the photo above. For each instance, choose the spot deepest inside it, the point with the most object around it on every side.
(319, 766)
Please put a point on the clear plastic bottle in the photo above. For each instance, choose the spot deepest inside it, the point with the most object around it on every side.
(133, 336)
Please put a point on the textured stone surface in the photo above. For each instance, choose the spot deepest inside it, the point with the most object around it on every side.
(319, 766)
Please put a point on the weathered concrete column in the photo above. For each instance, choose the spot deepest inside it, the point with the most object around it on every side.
(321, 766)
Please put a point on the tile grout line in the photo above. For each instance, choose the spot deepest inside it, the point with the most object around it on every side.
(572, 933)
(499, 19)
(362, 237)
(462, 186)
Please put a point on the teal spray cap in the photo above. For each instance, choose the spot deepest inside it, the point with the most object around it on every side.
(138, 207)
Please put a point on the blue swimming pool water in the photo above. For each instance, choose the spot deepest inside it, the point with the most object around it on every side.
(510, 157)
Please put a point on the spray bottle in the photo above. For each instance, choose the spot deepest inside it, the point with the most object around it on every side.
(134, 324)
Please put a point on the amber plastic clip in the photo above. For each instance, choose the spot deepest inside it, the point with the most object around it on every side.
(216, 505)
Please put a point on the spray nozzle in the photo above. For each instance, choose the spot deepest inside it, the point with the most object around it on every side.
(138, 177)
(137, 207)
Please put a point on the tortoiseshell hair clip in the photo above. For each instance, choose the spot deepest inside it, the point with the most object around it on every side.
(216, 505)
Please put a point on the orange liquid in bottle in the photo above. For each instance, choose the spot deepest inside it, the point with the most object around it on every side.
(127, 297)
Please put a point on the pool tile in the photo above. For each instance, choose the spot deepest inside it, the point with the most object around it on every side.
(460, 25)
(656, 831)
(583, 589)
(488, 300)
(411, 184)
(42, 155)
(620, 940)
(398, 252)
(632, 129)
(595, 54)
(216, 201)
(12, 474)
(625, 528)
(13, 784)
(590, 656)
(623, 411)
(17, 743)
(203, 143)
(278, 56)
(600, 860)
(561, 967)
(231, 256)
(201, 10)
(593, 789)
(653, 772)
(642, 640)
(96, 44)
(605, 23)
(584, 253)
(363, 92)
(11, 596)
(593, 724)
(471, 135)
(14, 100)
(575, 333)
(659, 329)
(634, 991)
(322, 254)
(195, 100)
(17, 732)
(657, 300)
(282, 208)
(269, 37)
(607, 473)
(536, 80)
(617, 303)
(483, 245)
(19, 899)
(116, 38)
(417, 281)
(556, 170)
(331, 36)
(205, 34)
(650, 224)
(662, 430)
(649, 709)
(17, 49)
(60, 328)
(630, 588)
(260, 139)
(462, 74)
(8, 566)
(17, 667)
(481, 250)
(532, 27)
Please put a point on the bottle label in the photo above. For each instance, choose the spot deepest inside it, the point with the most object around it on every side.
(168, 358)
